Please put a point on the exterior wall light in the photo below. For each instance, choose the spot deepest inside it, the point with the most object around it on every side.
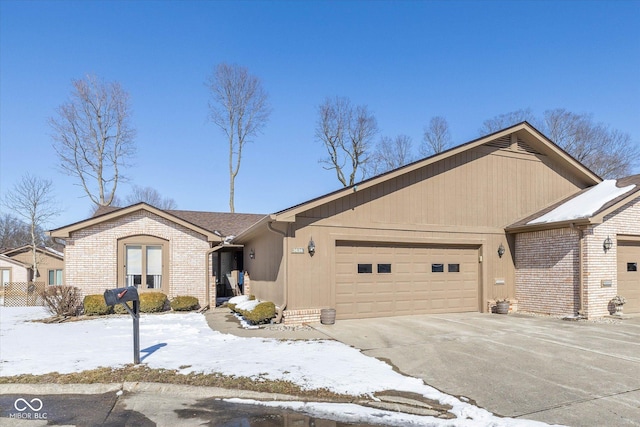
(607, 244)
(500, 250)
(252, 254)
(311, 247)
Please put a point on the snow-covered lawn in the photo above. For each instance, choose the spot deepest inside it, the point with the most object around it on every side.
(186, 343)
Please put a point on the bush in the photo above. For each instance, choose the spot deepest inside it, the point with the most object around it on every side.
(263, 312)
(233, 302)
(95, 305)
(62, 300)
(150, 302)
(184, 303)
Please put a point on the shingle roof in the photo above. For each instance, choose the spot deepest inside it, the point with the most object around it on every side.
(228, 224)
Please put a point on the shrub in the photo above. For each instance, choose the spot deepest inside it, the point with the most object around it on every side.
(61, 300)
(233, 302)
(95, 305)
(261, 313)
(184, 303)
(150, 302)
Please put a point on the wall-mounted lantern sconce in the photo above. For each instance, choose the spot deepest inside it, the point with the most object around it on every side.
(607, 244)
(311, 247)
(500, 250)
(252, 254)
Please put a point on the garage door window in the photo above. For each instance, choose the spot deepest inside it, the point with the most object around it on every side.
(453, 268)
(365, 268)
(437, 268)
(632, 266)
(384, 268)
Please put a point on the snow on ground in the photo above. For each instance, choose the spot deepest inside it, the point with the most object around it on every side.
(586, 204)
(186, 343)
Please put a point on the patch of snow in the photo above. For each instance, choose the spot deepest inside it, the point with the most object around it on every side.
(176, 340)
(586, 204)
(239, 299)
(248, 305)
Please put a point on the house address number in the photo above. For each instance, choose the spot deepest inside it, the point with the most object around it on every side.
(297, 250)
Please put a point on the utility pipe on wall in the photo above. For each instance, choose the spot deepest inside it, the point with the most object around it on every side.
(285, 245)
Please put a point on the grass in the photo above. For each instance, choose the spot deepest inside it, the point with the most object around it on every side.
(142, 373)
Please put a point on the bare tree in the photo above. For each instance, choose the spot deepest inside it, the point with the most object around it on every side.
(508, 119)
(13, 232)
(93, 136)
(346, 132)
(239, 107)
(436, 137)
(391, 153)
(150, 196)
(32, 200)
(608, 152)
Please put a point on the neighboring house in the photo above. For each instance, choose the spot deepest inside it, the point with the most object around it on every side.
(436, 236)
(12, 270)
(450, 233)
(174, 252)
(50, 264)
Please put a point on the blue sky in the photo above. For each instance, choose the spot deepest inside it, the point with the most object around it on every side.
(407, 61)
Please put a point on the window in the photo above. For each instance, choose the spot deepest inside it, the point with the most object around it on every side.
(437, 268)
(453, 268)
(384, 268)
(55, 277)
(6, 276)
(365, 268)
(144, 259)
(632, 266)
(143, 262)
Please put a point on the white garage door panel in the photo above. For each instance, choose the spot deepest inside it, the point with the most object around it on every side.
(628, 279)
(411, 287)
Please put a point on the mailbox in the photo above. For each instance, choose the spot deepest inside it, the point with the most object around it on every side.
(121, 295)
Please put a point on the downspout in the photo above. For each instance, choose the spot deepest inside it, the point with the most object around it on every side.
(285, 245)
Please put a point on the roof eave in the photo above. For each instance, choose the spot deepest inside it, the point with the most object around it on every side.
(571, 223)
(65, 232)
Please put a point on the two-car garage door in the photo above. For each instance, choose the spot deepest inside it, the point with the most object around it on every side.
(376, 280)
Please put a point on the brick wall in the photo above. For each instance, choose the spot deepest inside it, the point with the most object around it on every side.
(91, 262)
(601, 266)
(548, 268)
(298, 317)
(547, 271)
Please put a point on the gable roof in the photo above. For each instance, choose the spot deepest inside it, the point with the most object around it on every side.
(5, 258)
(588, 206)
(42, 249)
(534, 140)
(214, 225)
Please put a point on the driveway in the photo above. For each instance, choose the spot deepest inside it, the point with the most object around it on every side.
(567, 372)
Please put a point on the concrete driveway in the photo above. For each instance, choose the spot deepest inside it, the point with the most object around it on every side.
(555, 371)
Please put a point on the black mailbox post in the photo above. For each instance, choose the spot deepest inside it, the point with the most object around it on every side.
(122, 296)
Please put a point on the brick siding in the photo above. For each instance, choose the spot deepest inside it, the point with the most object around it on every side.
(299, 317)
(547, 267)
(91, 262)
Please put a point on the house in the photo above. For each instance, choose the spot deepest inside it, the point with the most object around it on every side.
(174, 252)
(444, 234)
(50, 264)
(12, 270)
(454, 232)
